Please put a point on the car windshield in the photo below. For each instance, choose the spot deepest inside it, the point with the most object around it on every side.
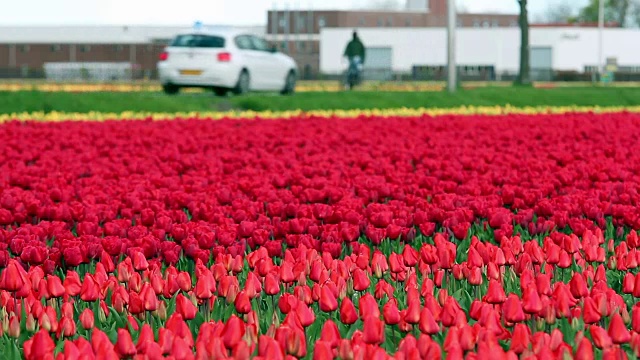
(198, 41)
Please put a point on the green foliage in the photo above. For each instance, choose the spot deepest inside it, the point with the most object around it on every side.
(28, 101)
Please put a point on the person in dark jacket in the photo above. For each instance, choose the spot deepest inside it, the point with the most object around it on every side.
(355, 48)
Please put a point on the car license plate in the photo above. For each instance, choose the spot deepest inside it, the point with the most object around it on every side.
(190, 72)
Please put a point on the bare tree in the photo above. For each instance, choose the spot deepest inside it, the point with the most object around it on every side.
(617, 11)
(524, 75)
(562, 13)
(634, 13)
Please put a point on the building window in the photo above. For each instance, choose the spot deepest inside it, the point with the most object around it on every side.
(459, 23)
(407, 22)
(301, 22)
(284, 46)
(389, 21)
(495, 23)
(513, 23)
(476, 23)
(55, 48)
(485, 24)
(118, 48)
(380, 21)
(283, 23)
(362, 21)
(301, 46)
(25, 48)
(85, 48)
(322, 22)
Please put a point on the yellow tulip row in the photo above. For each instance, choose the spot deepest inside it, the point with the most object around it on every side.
(400, 112)
(302, 87)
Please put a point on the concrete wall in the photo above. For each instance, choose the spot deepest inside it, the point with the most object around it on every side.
(573, 48)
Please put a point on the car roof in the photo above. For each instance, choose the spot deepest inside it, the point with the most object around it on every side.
(222, 31)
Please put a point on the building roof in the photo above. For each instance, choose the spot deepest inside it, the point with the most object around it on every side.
(98, 34)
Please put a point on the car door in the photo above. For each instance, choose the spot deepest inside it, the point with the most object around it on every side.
(252, 59)
(271, 68)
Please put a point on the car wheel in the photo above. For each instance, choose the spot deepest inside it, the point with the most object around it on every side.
(170, 89)
(219, 91)
(290, 84)
(242, 87)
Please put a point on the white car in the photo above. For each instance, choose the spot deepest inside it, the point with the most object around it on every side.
(225, 60)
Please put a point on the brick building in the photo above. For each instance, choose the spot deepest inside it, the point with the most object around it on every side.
(25, 50)
(298, 31)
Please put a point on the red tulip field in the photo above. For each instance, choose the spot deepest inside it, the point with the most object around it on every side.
(313, 237)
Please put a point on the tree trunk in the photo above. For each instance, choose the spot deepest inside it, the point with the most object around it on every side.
(524, 75)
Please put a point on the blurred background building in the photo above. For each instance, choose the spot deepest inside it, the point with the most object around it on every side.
(406, 42)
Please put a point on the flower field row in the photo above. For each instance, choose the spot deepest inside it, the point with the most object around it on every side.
(303, 86)
(298, 114)
(509, 236)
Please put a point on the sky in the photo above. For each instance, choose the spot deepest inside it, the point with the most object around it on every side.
(186, 12)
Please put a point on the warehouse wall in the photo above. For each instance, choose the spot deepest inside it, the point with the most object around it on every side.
(573, 48)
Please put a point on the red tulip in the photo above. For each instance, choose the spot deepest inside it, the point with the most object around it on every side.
(139, 261)
(467, 338)
(379, 264)
(181, 350)
(124, 344)
(373, 330)
(348, 313)
(601, 338)
(428, 324)
(183, 280)
(391, 313)
(242, 303)
(305, 314)
(13, 277)
(495, 294)
(328, 301)
(590, 312)
(145, 338)
(149, 298)
(512, 309)
(54, 286)
(368, 306)
(90, 290)
(66, 327)
(42, 346)
(618, 330)
(233, 332)
(185, 307)
(584, 350)
(361, 280)
(330, 334)
(520, 340)
(578, 286)
(271, 285)
(323, 350)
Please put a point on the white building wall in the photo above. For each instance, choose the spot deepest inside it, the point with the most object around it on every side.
(573, 48)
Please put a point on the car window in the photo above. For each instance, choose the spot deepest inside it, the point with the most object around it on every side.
(198, 41)
(243, 42)
(260, 44)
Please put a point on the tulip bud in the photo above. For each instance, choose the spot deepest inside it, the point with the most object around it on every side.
(102, 317)
(45, 322)
(31, 323)
(233, 293)
(161, 312)
(5, 323)
(87, 319)
(625, 316)
(14, 327)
